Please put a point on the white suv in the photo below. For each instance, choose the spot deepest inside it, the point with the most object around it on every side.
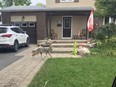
(13, 37)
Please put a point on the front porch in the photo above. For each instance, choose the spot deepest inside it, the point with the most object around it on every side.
(63, 25)
(55, 23)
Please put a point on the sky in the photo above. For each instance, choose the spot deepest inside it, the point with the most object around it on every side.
(34, 2)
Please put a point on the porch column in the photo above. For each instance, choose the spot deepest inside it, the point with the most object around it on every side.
(41, 26)
(103, 20)
(49, 26)
(6, 18)
(110, 19)
(115, 21)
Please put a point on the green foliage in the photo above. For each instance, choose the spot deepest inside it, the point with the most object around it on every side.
(106, 40)
(106, 32)
(22, 2)
(105, 48)
(106, 7)
(8, 3)
(40, 4)
(0, 4)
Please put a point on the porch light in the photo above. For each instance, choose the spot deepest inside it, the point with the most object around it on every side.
(59, 23)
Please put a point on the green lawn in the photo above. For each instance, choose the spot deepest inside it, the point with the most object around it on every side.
(84, 72)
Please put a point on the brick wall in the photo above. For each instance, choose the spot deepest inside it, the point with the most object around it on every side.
(41, 26)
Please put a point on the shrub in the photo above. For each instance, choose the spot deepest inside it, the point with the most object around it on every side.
(106, 32)
(106, 40)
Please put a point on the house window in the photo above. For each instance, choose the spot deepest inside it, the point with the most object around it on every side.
(24, 24)
(31, 24)
(66, 0)
(16, 24)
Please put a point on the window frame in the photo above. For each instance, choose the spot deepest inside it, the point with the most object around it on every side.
(31, 23)
(24, 23)
(66, 0)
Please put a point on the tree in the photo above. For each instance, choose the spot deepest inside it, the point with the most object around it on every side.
(0, 4)
(8, 3)
(39, 4)
(106, 8)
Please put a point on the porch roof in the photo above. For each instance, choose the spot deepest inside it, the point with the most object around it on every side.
(37, 8)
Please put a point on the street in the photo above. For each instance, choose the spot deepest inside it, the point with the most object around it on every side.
(7, 57)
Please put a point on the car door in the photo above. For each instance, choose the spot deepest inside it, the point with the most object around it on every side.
(23, 35)
(18, 35)
(2, 32)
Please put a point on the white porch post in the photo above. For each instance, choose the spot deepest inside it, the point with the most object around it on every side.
(103, 20)
(110, 19)
(115, 20)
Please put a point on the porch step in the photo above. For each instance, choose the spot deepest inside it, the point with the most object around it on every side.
(62, 50)
(65, 41)
(65, 45)
(70, 41)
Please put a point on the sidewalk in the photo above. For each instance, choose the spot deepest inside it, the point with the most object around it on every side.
(21, 72)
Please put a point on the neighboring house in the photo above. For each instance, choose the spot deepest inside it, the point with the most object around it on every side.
(64, 18)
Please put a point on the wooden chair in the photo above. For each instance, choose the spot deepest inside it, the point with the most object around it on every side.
(81, 34)
(53, 34)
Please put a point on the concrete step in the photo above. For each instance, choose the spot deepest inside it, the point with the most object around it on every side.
(62, 50)
(67, 47)
(64, 45)
(70, 41)
(65, 41)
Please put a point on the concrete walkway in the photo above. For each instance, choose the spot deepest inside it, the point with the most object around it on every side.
(21, 72)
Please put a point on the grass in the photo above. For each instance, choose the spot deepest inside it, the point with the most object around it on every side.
(92, 71)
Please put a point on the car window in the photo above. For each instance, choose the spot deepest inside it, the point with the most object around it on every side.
(21, 30)
(17, 30)
(3, 30)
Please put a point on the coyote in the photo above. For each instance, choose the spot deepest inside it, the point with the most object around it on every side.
(41, 50)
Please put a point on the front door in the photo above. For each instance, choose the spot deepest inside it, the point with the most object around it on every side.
(67, 27)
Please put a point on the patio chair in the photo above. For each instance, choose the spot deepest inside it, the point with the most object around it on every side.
(81, 34)
(53, 34)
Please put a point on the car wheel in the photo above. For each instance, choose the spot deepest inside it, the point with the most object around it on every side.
(27, 42)
(15, 46)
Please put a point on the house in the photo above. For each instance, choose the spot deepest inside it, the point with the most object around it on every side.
(60, 19)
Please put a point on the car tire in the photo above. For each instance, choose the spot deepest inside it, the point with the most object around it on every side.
(27, 43)
(15, 46)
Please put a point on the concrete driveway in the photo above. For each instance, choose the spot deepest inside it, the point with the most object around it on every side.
(8, 57)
